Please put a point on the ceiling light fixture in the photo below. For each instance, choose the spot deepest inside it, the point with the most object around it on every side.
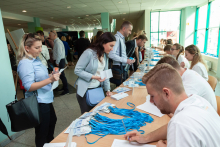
(120, 2)
(123, 18)
(94, 20)
(124, 13)
(24, 11)
(87, 15)
(19, 24)
(79, 17)
(51, 17)
(68, 7)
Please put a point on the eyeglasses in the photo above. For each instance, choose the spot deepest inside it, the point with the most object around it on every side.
(30, 35)
(173, 49)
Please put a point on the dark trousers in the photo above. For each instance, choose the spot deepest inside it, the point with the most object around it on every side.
(62, 76)
(82, 104)
(45, 131)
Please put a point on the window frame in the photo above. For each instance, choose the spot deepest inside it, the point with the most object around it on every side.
(206, 29)
(159, 24)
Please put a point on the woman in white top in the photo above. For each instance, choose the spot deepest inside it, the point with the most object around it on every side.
(177, 51)
(88, 68)
(193, 54)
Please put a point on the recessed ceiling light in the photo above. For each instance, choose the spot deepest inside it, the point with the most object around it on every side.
(120, 2)
(123, 18)
(19, 24)
(124, 13)
(94, 20)
(51, 17)
(79, 17)
(68, 7)
(97, 23)
(72, 24)
(87, 15)
(24, 11)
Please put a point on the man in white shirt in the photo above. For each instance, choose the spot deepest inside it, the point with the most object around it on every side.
(59, 59)
(193, 82)
(195, 122)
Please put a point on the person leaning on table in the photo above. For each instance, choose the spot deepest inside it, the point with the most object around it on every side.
(88, 68)
(195, 122)
(34, 76)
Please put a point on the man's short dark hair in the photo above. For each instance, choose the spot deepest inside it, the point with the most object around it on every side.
(81, 33)
(126, 24)
(40, 32)
(169, 60)
(142, 37)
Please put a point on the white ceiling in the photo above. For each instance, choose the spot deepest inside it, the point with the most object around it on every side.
(45, 9)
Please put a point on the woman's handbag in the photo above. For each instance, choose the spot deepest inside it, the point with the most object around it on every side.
(94, 96)
(24, 114)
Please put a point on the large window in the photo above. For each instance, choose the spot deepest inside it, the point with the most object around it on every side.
(165, 25)
(207, 28)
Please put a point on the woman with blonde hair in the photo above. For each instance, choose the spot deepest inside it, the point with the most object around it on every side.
(35, 78)
(177, 51)
(193, 54)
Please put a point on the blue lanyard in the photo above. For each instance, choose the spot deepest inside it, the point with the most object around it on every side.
(133, 120)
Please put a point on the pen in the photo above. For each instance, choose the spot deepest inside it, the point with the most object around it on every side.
(125, 128)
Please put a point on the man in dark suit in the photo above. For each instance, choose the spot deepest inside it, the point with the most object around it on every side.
(132, 50)
(81, 44)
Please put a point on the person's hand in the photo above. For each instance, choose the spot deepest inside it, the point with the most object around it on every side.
(98, 78)
(108, 93)
(133, 60)
(55, 77)
(129, 61)
(135, 136)
(170, 115)
(161, 143)
(182, 64)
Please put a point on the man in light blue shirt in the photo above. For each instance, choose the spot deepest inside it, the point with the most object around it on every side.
(59, 59)
(118, 55)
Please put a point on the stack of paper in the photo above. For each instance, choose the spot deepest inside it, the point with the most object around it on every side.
(150, 108)
(107, 74)
(125, 143)
(73, 144)
(121, 89)
(119, 96)
(56, 83)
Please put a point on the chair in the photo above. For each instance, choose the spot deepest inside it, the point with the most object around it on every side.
(218, 104)
(212, 82)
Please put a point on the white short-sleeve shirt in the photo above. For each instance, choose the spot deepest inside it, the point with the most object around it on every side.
(181, 59)
(194, 124)
(200, 69)
(195, 84)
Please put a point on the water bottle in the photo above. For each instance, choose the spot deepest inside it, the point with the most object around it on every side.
(127, 65)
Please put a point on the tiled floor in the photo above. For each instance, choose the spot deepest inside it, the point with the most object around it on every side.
(67, 110)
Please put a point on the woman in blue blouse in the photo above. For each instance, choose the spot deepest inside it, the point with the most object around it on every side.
(35, 77)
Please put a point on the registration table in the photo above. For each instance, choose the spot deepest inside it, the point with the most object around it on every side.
(138, 98)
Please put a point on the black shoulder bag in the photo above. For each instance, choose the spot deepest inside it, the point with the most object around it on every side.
(24, 114)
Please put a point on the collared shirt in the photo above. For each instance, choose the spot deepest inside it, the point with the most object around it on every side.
(45, 53)
(58, 50)
(115, 53)
(31, 71)
(195, 124)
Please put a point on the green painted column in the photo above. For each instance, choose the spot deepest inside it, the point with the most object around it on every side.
(67, 29)
(7, 88)
(105, 21)
(34, 26)
(86, 35)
